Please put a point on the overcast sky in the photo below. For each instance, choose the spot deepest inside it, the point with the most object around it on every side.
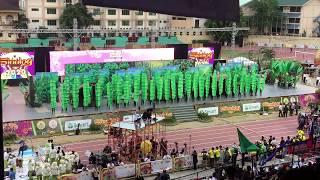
(244, 1)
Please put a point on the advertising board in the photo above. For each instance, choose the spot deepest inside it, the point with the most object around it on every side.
(251, 107)
(204, 55)
(211, 111)
(17, 65)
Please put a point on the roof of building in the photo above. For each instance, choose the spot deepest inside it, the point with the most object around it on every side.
(11, 5)
(292, 2)
(283, 3)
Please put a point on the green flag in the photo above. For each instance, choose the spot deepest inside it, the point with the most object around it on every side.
(245, 144)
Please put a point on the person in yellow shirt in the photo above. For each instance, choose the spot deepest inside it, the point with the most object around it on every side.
(211, 157)
(217, 154)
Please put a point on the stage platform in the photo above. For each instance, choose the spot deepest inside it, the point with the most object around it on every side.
(14, 108)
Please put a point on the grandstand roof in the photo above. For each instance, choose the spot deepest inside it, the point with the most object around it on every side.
(292, 2)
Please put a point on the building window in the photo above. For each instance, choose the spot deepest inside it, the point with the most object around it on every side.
(139, 23)
(51, 11)
(183, 19)
(51, 1)
(174, 18)
(125, 23)
(111, 23)
(1, 35)
(112, 12)
(200, 33)
(152, 14)
(165, 21)
(293, 31)
(34, 9)
(125, 12)
(187, 33)
(68, 1)
(96, 22)
(96, 11)
(181, 33)
(294, 20)
(139, 13)
(151, 23)
(35, 21)
(52, 22)
(9, 19)
(194, 33)
(295, 9)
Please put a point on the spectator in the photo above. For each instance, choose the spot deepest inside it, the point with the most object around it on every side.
(12, 174)
(195, 159)
(164, 175)
(285, 111)
(211, 157)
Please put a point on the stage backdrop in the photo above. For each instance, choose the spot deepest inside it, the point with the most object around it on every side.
(228, 10)
(17, 65)
(59, 59)
(204, 55)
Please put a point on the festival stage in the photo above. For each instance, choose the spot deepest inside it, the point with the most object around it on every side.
(14, 108)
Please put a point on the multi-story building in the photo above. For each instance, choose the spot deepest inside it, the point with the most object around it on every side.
(299, 17)
(46, 13)
(9, 11)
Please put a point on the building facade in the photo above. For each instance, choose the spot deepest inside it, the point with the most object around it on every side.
(299, 17)
(8, 15)
(46, 13)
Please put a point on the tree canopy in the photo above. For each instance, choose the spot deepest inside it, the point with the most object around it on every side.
(22, 22)
(267, 14)
(77, 11)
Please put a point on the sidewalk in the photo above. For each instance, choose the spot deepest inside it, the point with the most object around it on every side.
(66, 139)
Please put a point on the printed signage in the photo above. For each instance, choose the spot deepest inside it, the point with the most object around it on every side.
(211, 111)
(73, 125)
(230, 109)
(251, 107)
(202, 55)
(17, 65)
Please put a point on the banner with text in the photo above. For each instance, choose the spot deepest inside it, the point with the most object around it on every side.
(251, 107)
(211, 111)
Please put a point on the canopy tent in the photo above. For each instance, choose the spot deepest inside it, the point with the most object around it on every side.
(245, 144)
(225, 10)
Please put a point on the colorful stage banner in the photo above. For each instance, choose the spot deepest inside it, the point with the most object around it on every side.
(59, 59)
(47, 126)
(17, 65)
(160, 165)
(20, 128)
(305, 100)
(203, 55)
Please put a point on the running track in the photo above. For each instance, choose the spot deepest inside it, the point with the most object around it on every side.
(208, 137)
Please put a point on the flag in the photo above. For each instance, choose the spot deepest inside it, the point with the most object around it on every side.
(245, 144)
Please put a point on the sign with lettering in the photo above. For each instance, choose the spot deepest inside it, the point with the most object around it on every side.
(73, 125)
(251, 107)
(230, 109)
(17, 65)
(271, 104)
(202, 55)
(211, 111)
